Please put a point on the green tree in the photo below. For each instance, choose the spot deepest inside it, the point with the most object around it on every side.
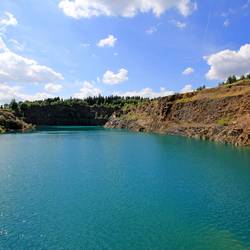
(231, 79)
(242, 78)
(201, 88)
(14, 105)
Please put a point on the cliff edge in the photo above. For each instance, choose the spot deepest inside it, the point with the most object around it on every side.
(220, 114)
(10, 123)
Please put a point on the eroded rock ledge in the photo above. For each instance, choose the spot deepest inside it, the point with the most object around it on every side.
(221, 114)
(10, 123)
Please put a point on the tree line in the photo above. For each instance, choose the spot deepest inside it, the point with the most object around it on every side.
(233, 79)
(97, 101)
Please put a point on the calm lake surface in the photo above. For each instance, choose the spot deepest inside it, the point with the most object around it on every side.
(91, 188)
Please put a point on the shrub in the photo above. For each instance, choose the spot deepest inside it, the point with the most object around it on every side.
(223, 121)
(201, 88)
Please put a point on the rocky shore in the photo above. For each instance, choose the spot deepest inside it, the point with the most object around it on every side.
(10, 123)
(220, 114)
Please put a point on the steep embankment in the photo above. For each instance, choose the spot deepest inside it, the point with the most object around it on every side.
(221, 114)
(9, 122)
(75, 115)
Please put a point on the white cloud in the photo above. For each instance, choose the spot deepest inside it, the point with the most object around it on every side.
(18, 69)
(107, 42)
(229, 62)
(111, 78)
(8, 20)
(178, 24)
(187, 7)
(2, 44)
(7, 93)
(87, 90)
(188, 71)
(226, 23)
(146, 93)
(187, 88)
(152, 30)
(125, 8)
(37, 96)
(53, 88)
(16, 45)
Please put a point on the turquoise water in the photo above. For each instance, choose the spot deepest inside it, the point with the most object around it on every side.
(91, 188)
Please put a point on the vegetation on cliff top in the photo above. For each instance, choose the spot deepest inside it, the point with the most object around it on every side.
(115, 102)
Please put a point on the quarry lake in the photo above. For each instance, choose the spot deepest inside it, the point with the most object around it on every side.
(95, 188)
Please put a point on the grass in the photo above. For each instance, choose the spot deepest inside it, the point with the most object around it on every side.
(1, 130)
(185, 100)
(224, 121)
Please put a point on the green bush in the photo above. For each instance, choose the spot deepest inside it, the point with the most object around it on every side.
(223, 121)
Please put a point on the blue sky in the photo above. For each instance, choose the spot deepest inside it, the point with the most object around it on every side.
(74, 48)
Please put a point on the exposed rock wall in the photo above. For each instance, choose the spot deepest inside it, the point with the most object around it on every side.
(221, 114)
(68, 115)
(9, 122)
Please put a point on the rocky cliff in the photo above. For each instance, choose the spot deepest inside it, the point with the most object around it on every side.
(9, 122)
(74, 115)
(220, 114)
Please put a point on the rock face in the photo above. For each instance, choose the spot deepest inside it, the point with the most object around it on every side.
(9, 122)
(75, 115)
(221, 114)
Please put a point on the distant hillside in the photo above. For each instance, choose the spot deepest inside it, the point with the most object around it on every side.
(221, 114)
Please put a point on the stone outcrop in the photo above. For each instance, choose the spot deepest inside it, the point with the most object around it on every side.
(63, 115)
(10, 123)
(221, 114)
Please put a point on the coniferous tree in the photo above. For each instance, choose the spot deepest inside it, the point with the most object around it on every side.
(13, 105)
(242, 78)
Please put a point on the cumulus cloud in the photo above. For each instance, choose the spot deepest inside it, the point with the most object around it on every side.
(3, 46)
(186, 7)
(111, 78)
(53, 88)
(87, 90)
(7, 93)
(15, 69)
(107, 42)
(16, 45)
(128, 8)
(188, 71)
(187, 88)
(38, 96)
(18, 69)
(8, 19)
(229, 62)
(146, 93)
